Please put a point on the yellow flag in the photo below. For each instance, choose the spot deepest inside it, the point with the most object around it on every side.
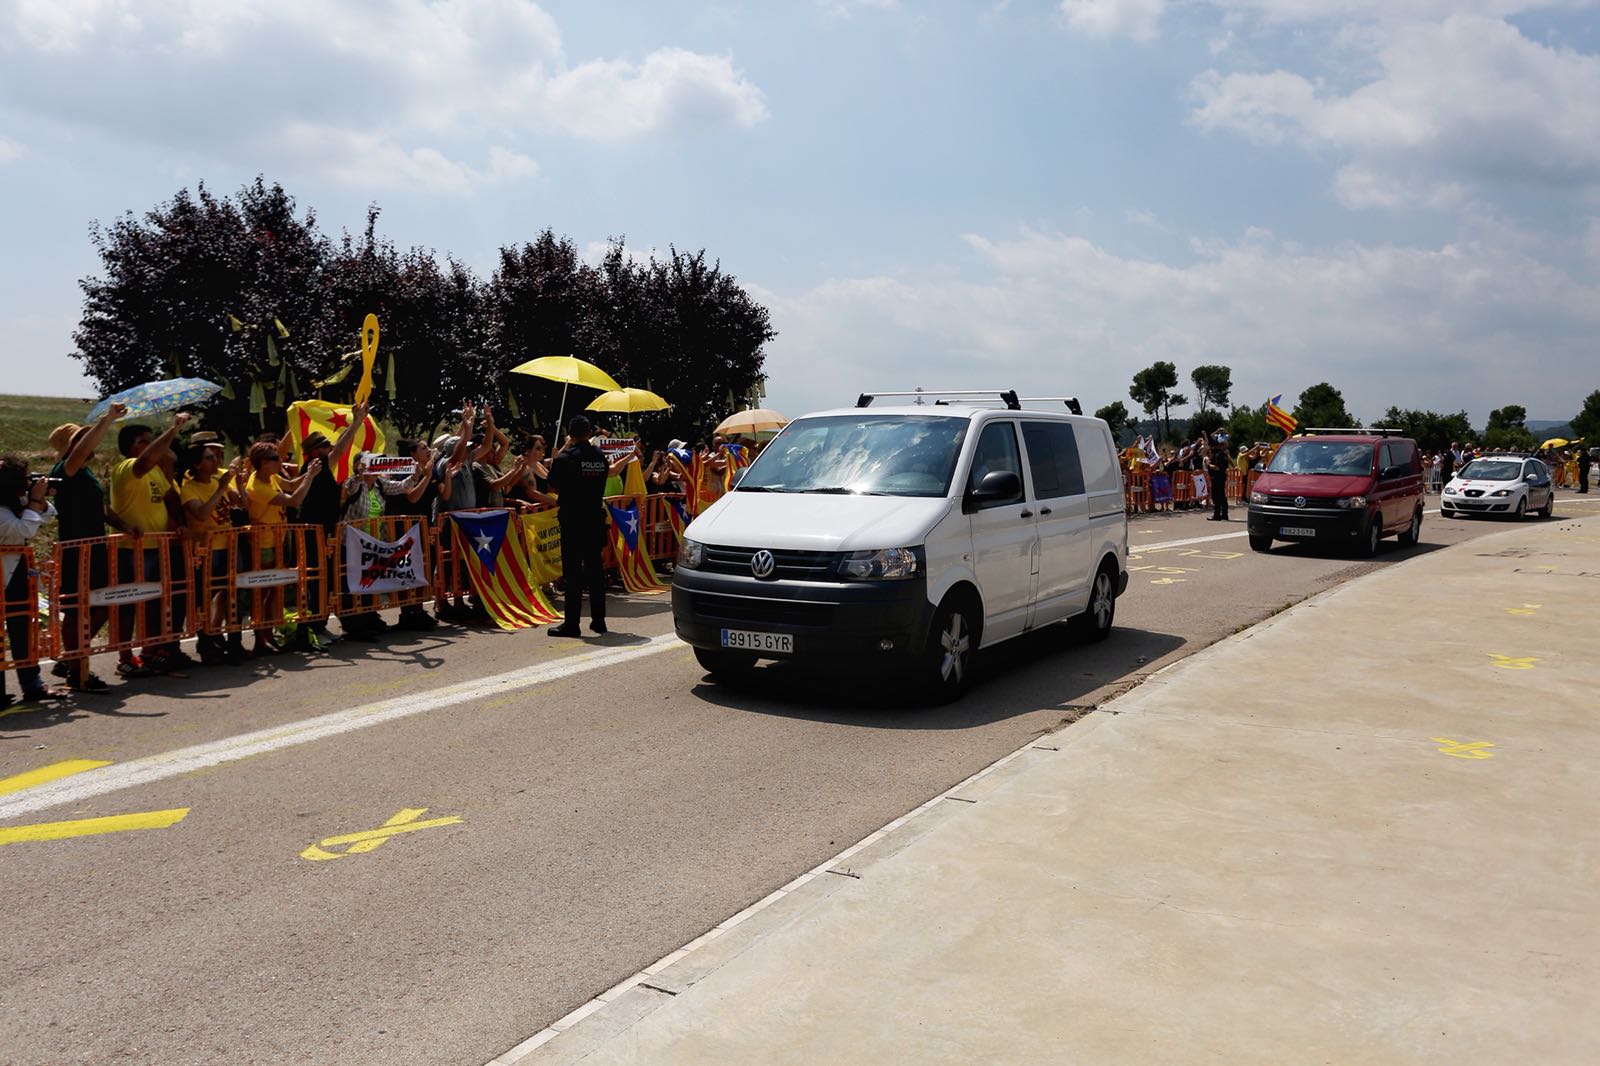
(369, 355)
(633, 480)
(542, 533)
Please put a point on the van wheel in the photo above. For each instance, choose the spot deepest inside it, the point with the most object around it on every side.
(1522, 509)
(1260, 544)
(725, 664)
(945, 671)
(1094, 624)
(1413, 531)
(1369, 547)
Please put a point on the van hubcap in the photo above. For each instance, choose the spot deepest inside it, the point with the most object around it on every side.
(954, 644)
(1102, 601)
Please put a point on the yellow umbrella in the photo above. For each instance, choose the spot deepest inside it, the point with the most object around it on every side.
(570, 372)
(628, 401)
(757, 420)
(1555, 442)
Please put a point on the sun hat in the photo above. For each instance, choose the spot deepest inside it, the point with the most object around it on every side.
(62, 435)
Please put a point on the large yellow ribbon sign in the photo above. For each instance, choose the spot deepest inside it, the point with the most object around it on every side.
(369, 355)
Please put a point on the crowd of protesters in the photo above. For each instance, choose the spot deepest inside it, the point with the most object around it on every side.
(159, 485)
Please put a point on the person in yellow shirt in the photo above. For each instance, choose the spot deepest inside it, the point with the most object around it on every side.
(266, 496)
(139, 490)
(206, 497)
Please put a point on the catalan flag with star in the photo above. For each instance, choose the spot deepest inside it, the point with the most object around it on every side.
(490, 548)
(738, 458)
(678, 516)
(627, 542)
(1277, 416)
(331, 419)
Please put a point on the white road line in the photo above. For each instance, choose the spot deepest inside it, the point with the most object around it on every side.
(118, 776)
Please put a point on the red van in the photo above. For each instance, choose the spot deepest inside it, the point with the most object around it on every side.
(1347, 488)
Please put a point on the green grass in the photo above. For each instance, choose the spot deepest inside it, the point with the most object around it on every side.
(26, 422)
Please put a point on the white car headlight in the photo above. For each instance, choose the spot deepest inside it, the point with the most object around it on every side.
(886, 564)
(1352, 503)
(1501, 492)
(691, 554)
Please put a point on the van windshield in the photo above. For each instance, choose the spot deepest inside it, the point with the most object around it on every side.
(1322, 457)
(877, 455)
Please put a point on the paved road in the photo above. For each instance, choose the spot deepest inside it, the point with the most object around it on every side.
(559, 815)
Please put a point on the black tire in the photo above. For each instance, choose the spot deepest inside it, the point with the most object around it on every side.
(1094, 624)
(725, 664)
(1549, 507)
(944, 670)
(1260, 544)
(1414, 531)
(1448, 514)
(1371, 537)
(1522, 509)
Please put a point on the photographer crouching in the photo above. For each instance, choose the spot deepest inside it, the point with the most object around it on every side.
(23, 505)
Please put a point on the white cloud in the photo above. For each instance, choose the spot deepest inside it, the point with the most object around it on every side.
(1139, 19)
(1465, 99)
(10, 150)
(1436, 327)
(424, 84)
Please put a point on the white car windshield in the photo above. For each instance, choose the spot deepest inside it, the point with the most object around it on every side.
(1491, 470)
(1322, 457)
(875, 455)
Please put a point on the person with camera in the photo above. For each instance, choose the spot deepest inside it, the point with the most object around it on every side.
(23, 505)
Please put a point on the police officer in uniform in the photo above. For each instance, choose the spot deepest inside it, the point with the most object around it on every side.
(1217, 476)
(578, 478)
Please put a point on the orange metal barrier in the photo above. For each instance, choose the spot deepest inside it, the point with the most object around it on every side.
(390, 528)
(251, 576)
(116, 592)
(23, 638)
(661, 539)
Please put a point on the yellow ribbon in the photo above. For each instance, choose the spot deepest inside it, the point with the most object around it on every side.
(369, 355)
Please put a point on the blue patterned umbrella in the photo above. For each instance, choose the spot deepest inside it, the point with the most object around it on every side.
(158, 396)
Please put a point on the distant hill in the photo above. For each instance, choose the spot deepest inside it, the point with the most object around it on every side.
(1545, 427)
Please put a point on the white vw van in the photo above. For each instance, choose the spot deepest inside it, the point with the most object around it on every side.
(908, 537)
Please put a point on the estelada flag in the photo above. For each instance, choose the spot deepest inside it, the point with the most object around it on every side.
(738, 459)
(638, 575)
(330, 419)
(1277, 416)
(489, 546)
(678, 516)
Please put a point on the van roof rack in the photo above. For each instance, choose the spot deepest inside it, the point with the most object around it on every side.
(1071, 401)
(1358, 431)
(1007, 396)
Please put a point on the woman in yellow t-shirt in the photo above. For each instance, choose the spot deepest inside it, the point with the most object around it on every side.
(266, 495)
(206, 497)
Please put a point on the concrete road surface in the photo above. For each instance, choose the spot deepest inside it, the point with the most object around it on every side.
(424, 851)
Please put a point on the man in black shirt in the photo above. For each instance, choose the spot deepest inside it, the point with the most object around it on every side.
(578, 477)
(321, 507)
(1217, 476)
(1585, 461)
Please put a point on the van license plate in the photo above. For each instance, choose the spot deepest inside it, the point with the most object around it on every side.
(1296, 531)
(745, 640)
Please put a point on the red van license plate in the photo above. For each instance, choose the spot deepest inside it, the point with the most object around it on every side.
(1296, 531)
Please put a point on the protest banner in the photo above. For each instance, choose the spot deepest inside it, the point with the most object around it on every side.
(373, 566)
(542, 534)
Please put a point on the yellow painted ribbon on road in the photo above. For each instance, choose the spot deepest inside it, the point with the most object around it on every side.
(53, 772)
(360, 843)
(369, 356)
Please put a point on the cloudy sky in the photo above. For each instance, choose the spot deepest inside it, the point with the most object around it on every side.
(1401, 197)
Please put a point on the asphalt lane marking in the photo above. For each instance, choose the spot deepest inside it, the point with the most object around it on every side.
(404, 821)
(54, 771)
(84, 827)
(202, 756)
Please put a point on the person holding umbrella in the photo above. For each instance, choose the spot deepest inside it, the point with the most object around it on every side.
(139, 488)
(81, 514)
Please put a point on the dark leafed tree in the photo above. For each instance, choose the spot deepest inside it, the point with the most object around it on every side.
(1322, 405)
(1152, 390)
(1212, 384)
(1432, 431)
(1586, 423)
(1506, 429)
(1116, 417)
(230, 289)
(1246, 425)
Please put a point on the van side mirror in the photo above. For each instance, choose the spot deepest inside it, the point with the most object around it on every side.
(996, 486)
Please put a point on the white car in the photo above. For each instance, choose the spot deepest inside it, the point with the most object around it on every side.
(1507, 485)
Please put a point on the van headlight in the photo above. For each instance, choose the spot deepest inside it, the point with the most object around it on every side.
(885, 564)
(1351, 503)
(691, 554)
(1259, 497)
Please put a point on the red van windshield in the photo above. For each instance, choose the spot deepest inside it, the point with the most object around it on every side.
(1345, 458)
